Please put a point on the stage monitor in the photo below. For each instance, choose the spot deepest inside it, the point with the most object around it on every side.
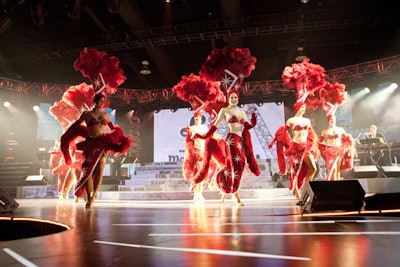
(343, 195)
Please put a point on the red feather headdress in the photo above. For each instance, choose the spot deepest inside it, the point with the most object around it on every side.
(103, 70)
(229, 65)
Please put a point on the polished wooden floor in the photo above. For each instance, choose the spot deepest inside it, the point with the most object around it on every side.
(263, 232)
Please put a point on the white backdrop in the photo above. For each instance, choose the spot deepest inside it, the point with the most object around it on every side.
(169, 130)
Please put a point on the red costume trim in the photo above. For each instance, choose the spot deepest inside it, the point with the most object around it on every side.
(282, 140)
(249, 154)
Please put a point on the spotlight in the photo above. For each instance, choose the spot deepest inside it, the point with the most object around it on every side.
(260, 104)
(278, 103)
(35, 107)
(6, 104)
(394, 86)
(173, 109)
(241, 105)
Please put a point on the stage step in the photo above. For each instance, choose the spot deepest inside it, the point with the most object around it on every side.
(13, 175)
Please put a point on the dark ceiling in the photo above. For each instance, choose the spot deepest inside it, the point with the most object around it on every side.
(40, 39)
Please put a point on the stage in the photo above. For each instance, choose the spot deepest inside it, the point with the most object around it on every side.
(267, 231)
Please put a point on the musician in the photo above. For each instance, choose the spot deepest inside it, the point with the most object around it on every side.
(374, 134)
(375, 154)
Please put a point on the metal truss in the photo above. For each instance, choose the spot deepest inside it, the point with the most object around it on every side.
(263, 25)
(261, 131)
(253, 92)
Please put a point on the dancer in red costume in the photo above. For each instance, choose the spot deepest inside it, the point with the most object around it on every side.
(301, 149)
(100, 135)
(238, 148)
(337, 149)
(311, 90)
(59, 168)
(66, 175)
(97, 143)
(194, 156)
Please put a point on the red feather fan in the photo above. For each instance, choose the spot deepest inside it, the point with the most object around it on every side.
(198, 91)
(64, 113)
(79, 96)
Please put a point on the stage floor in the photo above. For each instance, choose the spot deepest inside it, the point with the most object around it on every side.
(263, 232)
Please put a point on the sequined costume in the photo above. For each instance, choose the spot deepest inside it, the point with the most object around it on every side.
(296, 152)
(233, 156)
(93, 148)
(332, 154)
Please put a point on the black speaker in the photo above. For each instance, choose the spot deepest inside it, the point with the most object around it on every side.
(7, 203)
(343, 195)
(382, 193)
(36, 180)
(369, 171)
(382, 201)
(391, 171)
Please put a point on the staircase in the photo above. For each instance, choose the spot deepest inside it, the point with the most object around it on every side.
(13, 175)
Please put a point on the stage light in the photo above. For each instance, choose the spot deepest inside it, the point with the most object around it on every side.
(6, 104)
(278, 103)
(36, 108)
(37, 12)
(260, 104)
(394, 86)
(357, 94)
(145, 70)
(173, 109)
(74, 11)
(113, 6)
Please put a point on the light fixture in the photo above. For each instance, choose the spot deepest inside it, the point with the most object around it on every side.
(37, 12)
(74, 11)
(260, 104)
(113, 6)
(35, 107)
(300, 55)
(6, 104)
(145, 70)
